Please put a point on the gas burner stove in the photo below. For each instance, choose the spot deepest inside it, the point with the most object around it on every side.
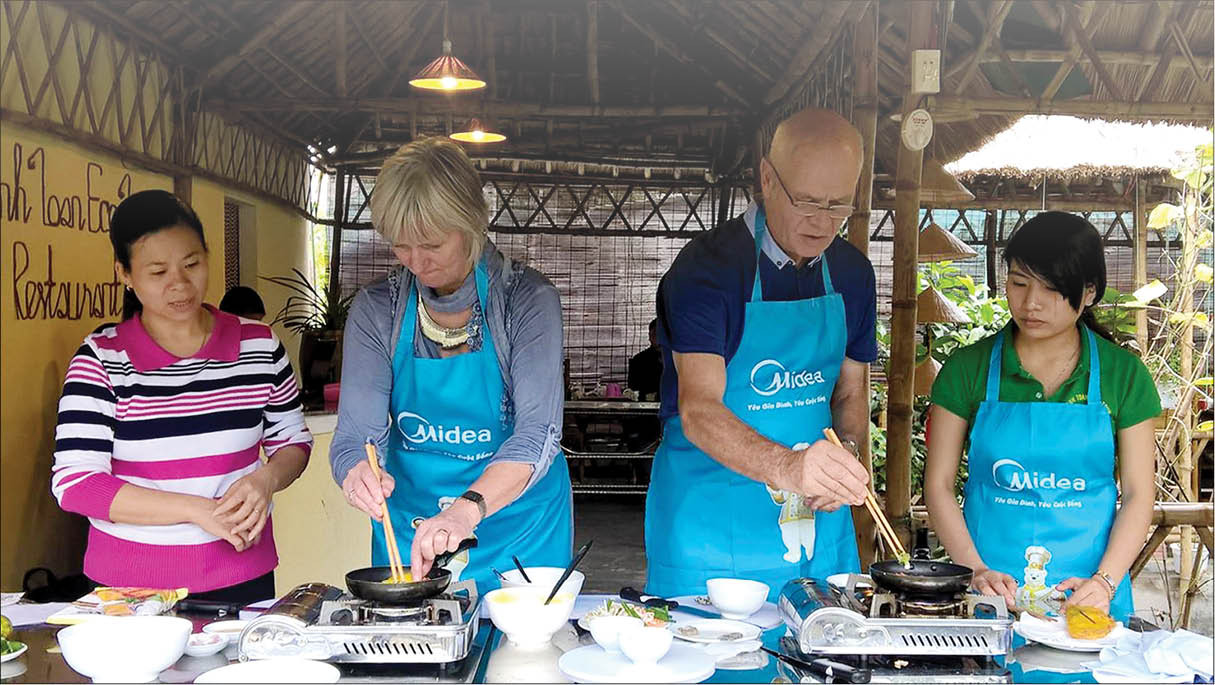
(318, 621)
(857, 621)
(895, 669)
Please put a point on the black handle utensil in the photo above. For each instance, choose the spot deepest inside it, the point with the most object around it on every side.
(633, 595)
(519, 566)
(830, 671)
(568, 570)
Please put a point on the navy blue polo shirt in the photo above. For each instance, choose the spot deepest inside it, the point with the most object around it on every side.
(703, 296)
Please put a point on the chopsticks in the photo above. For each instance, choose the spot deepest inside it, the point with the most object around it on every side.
(884, 528)
(390, 538)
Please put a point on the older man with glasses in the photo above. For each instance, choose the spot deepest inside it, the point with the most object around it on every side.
(766, 325)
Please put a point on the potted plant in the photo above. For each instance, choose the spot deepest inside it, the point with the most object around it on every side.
(318, 318)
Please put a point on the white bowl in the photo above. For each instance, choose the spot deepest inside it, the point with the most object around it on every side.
(230, 629)
(130, 649)
(545, 577)
(737, 598)
(645, 645)
(281, 670)
(607, 629)
(205, 644)
(520, 612)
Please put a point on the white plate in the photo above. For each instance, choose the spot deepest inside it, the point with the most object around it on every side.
(840, 580)
(1054, 634)
(205, 644)
(683, 664)
(229, 629)
(13, 655)
(256, 609)
(767, 616)
(284, 670)
(709, 630)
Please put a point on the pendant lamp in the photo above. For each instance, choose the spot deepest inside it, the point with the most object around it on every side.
(932, 306)
(478, 132)
(447, 72)
(938, 188)
(939, 245)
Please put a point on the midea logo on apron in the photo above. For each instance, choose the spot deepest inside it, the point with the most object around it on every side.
(1019, 479)
(417, 429)
(780, 378)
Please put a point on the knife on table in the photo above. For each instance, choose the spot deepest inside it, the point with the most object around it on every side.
(632, 595)
(830, 671)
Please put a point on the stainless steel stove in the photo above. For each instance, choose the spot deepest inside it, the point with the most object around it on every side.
(318, 621)
(903, 638)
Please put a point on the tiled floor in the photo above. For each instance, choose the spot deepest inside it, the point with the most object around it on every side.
(616, 524)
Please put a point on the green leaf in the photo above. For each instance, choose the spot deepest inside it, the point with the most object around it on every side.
(1163, 215)
(1150, 292)
(1203, 272)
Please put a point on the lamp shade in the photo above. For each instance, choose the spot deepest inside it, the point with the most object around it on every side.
(939, 245)
(925, 374)
(447, 73)
(477, 132)
(938, 188)
(933, 307)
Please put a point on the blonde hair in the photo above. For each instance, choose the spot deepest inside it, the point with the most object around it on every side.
(427, 189)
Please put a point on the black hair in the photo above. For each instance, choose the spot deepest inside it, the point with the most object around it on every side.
(242, 301)
(1065, 251)
(141, 214)
(654, 325)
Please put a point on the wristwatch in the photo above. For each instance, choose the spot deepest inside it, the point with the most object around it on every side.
(851, 446)
(476, 498)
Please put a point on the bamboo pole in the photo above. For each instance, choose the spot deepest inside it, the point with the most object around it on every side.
(335, 248)
(1184, 411)
(592, 48)
(183, 188)
(902, 334)
(340, 47)
(1136, 110)
(864, 115)
(990, 230)
(397, 105)
(1141, 236)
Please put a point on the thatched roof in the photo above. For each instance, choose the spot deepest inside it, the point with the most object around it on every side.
(1069, 148)
(682, 80)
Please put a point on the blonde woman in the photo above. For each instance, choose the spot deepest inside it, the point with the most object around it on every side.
(452, 365)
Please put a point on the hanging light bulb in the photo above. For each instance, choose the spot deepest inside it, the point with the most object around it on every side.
(447, 72)
(477, 132)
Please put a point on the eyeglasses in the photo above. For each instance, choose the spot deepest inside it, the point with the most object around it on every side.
(810, 209)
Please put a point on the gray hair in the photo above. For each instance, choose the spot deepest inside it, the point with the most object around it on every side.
(427, 189)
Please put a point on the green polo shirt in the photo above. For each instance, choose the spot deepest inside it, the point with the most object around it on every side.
(1126, 385)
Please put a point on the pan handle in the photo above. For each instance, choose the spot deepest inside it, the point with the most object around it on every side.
(441, 560)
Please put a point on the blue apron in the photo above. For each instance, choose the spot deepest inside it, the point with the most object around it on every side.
(447, 422)
(704, 520)
(1040, 495)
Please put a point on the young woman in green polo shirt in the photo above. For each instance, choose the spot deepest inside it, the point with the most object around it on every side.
(1047, 410)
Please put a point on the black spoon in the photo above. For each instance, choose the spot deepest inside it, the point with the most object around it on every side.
(569, 569)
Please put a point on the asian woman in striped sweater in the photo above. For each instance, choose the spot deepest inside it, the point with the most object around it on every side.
(163, 418)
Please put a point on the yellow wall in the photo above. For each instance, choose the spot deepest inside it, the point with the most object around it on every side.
(318, 535)
(48, 303)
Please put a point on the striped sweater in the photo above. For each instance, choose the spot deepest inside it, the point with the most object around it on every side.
(133, 413)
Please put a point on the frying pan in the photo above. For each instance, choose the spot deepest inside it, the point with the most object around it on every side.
(369, 583)
(925, 577)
